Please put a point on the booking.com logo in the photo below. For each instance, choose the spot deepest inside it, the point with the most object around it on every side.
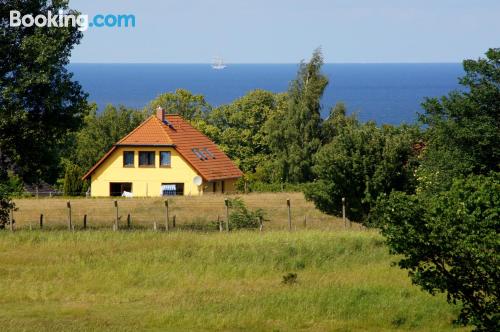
(62, 19)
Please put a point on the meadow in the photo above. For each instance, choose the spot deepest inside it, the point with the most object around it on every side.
(190, 281)
(190, 211)
(101, 280)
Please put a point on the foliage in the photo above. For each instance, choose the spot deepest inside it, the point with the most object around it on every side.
(101, 131)
(6, 204)
(449, 242)
(73, 184)
(463, 127)
(259, 186)
(39, 101)
(360, 162)
(240, 217)
(238, 127)
(295, 136)
(448, 231)
(12, 185)
(183, 102)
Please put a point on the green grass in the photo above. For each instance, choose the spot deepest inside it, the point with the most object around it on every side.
(182, 281)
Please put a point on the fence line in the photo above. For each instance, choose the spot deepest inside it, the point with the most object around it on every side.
(142, 213)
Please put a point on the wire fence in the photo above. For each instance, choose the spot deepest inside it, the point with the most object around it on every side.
(284, 211)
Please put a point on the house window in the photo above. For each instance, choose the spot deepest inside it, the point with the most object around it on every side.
(128, 159)
(165, 157)
(146, 159)
(117, 188)
(172, 189)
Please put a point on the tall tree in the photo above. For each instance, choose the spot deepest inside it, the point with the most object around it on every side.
(296, 137)
(238, 127)
(39, 101)
(360, 162)
(446, 234)
(464, 127)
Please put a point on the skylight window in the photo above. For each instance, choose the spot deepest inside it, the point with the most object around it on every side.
(209, 153)
(199, 154)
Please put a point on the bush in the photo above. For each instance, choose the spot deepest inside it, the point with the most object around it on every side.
(258, 186)
(449, 243)
(73, 183)
(240, 217)
(6, 205)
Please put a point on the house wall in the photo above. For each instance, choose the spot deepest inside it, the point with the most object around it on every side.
(146, 181)
(217, 186)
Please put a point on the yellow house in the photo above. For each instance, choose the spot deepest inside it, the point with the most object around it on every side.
(163, 156)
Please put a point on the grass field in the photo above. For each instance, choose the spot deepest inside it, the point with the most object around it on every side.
(188, 210)
(191, 281)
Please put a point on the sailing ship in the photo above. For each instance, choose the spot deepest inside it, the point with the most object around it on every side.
(218, 64)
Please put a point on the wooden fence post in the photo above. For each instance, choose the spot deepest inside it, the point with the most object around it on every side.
(154, 226)
(167, 217)
(116, 220)
(289, 214)
(128, 221)
(343, 212)
(219, 223)
(41, 221)
(226, 202)
(305, 221)
(173, 221)
(12, 220)
(84, 221)
(70, 223)
(261, 224)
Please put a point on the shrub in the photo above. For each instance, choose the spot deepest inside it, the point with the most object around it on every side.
(6, 205)
(258, 186)
(240, 217)
(289, 279)
(73, 183)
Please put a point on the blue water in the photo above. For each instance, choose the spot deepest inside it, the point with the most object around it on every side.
(385, 93)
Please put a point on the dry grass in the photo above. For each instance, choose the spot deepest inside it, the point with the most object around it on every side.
(188, 210)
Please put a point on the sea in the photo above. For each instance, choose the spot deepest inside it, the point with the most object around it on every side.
(385, 93)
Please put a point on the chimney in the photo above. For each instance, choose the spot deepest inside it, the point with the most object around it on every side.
(160, 113)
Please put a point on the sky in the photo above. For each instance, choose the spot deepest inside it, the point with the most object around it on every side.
(287, 31)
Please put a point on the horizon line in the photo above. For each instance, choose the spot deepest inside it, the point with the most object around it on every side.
(262, 63)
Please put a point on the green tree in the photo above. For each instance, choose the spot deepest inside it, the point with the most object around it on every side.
(39, 101)
(449, 242)
(295, 137)
(238, 128)
(336, 121)
(448, 231)
(182, 102)
(73, 184)
(464, 127)
(360, 162)
(101, 131)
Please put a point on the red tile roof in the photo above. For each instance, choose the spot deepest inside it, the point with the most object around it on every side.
(213, 164)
